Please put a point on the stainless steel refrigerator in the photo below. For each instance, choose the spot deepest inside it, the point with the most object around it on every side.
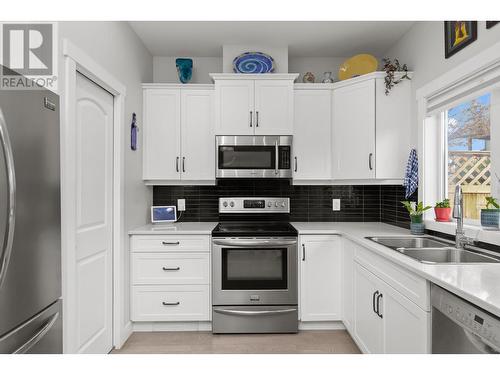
(30, 223)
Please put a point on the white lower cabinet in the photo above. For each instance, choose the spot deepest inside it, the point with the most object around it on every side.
(385, 321)
(320, 278)
(170, 278)
(348, 284)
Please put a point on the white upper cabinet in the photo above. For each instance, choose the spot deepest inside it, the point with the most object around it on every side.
(179, 138)
(320, 278)
(371, 130)
(162, 134)
(254, 104)
(354, 131)
(198, 139)
(393, 129)
(274, 107)
(234, 111)
(312, 141)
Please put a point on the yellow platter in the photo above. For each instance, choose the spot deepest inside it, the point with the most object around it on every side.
(357, 66)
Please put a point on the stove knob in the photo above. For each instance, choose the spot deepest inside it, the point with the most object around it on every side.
(282, 204)
(224, 204)
(269, 204)
(276, 204)
(231, 204)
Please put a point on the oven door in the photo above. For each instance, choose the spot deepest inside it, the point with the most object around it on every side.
(254, 271)
(253, 156)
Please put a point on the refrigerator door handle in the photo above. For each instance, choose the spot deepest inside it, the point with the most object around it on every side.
(38, 335)
(11, 206)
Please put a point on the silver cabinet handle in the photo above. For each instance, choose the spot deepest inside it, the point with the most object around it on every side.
(170, 243)
(37, 336)
(171, 268)
(277, 157)
(177, 164)
(254, 243)
(295, 163)
(171, 303)
(11, 199)
(370, 161)
(251, 118)
(183, 164)
(257, 119)
(253, 312)
(303, 252)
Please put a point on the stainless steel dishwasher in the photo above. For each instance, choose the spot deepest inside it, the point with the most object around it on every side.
(459, 327)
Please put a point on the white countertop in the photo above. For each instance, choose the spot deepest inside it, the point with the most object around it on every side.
(176, 228)
(477, 283)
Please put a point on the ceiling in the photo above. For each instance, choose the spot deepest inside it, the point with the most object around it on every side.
(304, 38)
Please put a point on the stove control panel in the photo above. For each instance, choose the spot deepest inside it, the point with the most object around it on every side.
(254, 205)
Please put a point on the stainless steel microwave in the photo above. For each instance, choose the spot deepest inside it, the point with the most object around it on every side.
(248, 156)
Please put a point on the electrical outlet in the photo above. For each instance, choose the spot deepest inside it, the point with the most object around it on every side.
(181, 205)
(336, 204)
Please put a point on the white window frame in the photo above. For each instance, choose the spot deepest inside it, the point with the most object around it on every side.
(476, 76)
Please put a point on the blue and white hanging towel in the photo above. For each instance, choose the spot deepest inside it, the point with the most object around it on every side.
(411, 176)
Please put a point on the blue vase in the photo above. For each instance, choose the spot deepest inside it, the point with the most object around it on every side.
(184, 69)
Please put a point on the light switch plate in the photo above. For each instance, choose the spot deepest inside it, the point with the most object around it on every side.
(336, 204)
(181, 205)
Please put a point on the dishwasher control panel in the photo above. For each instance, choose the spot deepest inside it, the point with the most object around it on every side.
(467, 315)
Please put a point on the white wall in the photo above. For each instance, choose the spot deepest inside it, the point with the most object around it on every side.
(116, 47)
(422, 48)
(316, 65)
(278, 53)
(164, 70)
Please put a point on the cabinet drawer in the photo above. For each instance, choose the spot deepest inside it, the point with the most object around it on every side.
(170, 243)
(170, 268)
(170, 303)
(412, 286)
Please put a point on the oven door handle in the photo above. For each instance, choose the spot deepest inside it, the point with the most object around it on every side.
(254, 312)
(254, 243)
(277, 157)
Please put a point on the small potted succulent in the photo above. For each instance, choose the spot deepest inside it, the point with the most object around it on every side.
(491, 214)
(416, 212)
(443, 210)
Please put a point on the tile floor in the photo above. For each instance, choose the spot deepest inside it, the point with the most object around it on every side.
(307, 342)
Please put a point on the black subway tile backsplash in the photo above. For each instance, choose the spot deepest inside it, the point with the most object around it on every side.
(366, 203)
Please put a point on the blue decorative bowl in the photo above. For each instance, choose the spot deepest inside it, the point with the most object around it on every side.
(184, 69)
(253, 62)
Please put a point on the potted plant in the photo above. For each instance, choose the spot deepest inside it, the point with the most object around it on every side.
(443, 210)
(416, 212)
(491, 214)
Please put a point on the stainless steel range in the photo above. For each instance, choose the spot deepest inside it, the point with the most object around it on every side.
(254, 269)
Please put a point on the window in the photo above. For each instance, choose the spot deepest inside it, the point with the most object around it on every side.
(467, 148)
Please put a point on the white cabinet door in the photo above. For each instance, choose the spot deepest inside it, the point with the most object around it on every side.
(234, 107)
(348, 284)
(197, 139)
(393, 129)
(312, 141)
(354, 131)
(320, 278)
(162, 128)
(406, 326)
(273, 107)
(368, 325)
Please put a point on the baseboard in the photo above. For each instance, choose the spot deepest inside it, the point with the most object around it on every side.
(207, 326)
(171, 326)
(126, 332)
(312, 326)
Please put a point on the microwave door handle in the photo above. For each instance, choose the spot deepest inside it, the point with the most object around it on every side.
(11, 197)
(277, 158)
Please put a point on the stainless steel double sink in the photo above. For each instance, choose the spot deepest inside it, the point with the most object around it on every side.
(433, 250)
